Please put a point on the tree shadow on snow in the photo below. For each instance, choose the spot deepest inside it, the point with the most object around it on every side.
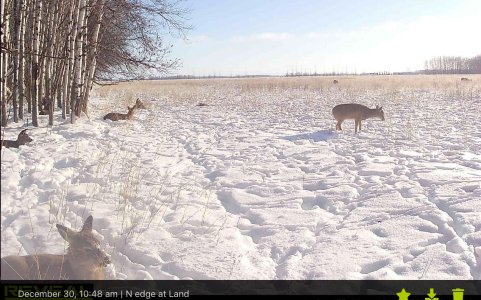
(322, 135)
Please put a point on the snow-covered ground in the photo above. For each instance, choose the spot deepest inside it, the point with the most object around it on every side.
(258, 185)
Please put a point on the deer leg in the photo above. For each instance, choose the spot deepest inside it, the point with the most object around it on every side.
(359, 125)
(355, 125)
(338, 125)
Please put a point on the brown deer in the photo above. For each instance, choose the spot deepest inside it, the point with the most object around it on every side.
(83, 261)
(465, 79)
(139, 104)
(335, 81)
(357, 112)
(22, 139)
(119, 116)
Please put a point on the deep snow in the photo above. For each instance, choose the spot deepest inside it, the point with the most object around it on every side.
(259, 186)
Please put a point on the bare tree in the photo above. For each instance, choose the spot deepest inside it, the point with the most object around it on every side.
(136, 24)
(53, 51)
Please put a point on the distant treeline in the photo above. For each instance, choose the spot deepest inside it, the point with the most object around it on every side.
(297, 74)
(436, 65)
(453, 65)
(205, 77)
(293, 74)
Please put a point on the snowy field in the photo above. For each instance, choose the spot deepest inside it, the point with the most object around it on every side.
(257, 184)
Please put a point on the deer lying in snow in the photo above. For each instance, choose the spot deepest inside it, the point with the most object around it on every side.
(83, 261)
(22, 139)
(357, 112)
(119, 116)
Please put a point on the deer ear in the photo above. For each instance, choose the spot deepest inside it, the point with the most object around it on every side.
(377, 106)
(23, 131)
(380, 108)
(87, 224)
(65, 232)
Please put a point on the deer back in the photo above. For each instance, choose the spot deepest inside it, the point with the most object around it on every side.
(356, 111)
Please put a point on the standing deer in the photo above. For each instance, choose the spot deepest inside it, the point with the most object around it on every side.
(118, 116)
(83, 261)
(139, 104)
(22, 139)
(357, 112)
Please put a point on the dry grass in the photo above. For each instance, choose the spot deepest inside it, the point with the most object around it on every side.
(197, 90)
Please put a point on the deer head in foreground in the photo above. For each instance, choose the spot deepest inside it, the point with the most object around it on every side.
(139, 104)
(83, 261)
(357, 112)
(22, 139)
(119, 116)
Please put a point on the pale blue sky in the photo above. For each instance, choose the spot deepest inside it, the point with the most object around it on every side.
(238, 37)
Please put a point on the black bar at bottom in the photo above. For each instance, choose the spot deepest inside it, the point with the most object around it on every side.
(330, 289)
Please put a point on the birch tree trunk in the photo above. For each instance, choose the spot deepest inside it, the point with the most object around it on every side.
(21, 51)
(43, 39)
(67, 79)
(83, 69)
(92, 54)
(35, 61)
(5, 50)
(15, 60)
(29, 32)
(49, 47)
(76, 83)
